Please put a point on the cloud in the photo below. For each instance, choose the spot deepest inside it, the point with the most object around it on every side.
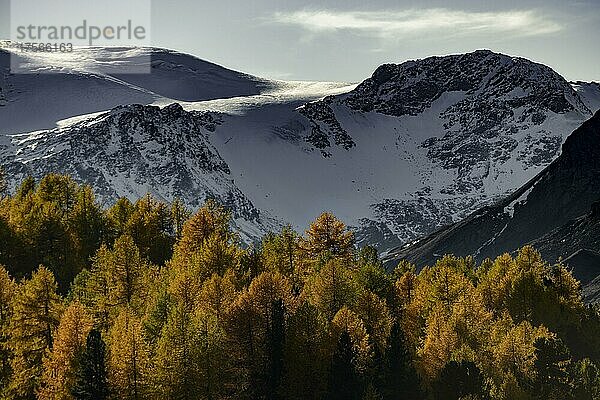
(421, 21)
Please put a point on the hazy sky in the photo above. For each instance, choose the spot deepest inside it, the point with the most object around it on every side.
(346, 40)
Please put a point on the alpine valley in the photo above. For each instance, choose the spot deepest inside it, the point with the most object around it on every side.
(415, 147)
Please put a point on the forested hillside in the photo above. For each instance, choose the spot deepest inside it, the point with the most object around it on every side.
(150, 301)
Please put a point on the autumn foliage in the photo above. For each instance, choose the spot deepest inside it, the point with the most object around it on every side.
(146, 300)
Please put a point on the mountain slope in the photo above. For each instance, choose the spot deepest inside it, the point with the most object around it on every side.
(133, 150)
(589, 92)
(579, 234)
(563, 191)
(54, 86)
(416, 146)
(463, 131)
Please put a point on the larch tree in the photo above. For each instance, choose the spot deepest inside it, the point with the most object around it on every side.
(328, 237)
(586, 380)
(350, 358)
(118, 217)
(346, 320)
(280, 251)
(210, 220)
(190, 354)
(216, 256)
(124, 271)
(213, 359)
(376, 317)
(60, 190)
(36, 314)
(332, 287)
(128, 357)
(87, 224)
(179, 215)
(191, 358)
(177, 374)
(552, 364)
(150, 226)
(272, 299)
(438, 344)
(60, 365)
(8, 290)
(513, 352)
(218, 293)
(242, 324)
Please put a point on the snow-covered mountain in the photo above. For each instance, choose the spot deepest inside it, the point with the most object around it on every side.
(133, 150)
(416, 146)
(556, 211)
(57, 86)
(468, 128)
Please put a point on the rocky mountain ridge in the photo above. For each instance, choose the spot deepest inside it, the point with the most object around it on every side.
(133, 150)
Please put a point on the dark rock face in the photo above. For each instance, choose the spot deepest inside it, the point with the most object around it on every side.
(132, 150)
(576, 242)
(411, 87)
(543, 212)
(375, 233)
(325, 125)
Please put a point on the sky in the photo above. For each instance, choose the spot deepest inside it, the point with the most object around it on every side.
(346, 40)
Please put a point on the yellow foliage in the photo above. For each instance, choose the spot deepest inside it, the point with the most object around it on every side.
(128, 357)
(348, 321)
(327, 236)
(69, 342)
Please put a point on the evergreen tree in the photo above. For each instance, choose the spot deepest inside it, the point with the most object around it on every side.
(276, 346)
(307, 358)
(345, 382)
(399, 378)
(91, 377)
(459, 380)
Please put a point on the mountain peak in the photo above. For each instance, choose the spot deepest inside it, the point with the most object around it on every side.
(412, 86)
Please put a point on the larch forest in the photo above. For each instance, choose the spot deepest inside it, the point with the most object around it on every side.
(152, 301)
